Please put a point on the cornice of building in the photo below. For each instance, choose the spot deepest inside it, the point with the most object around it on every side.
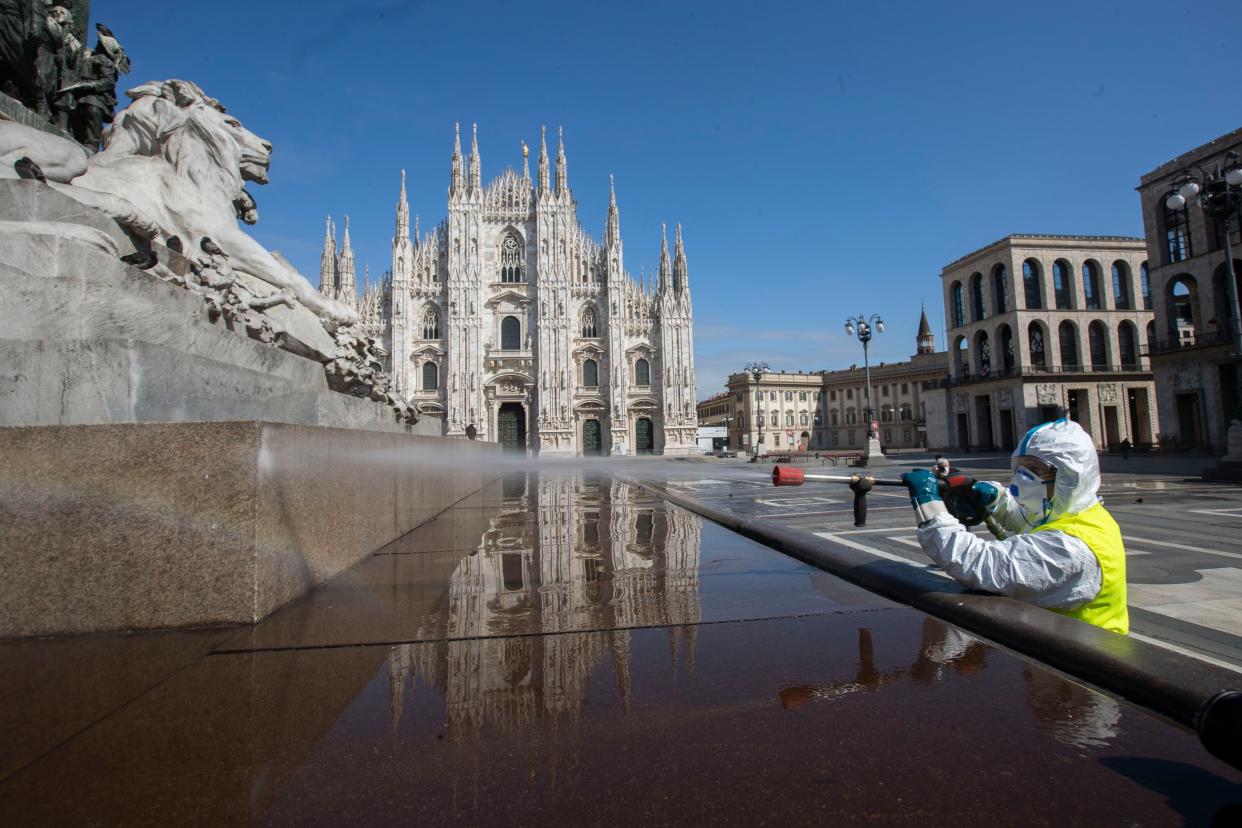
(1217, 146)
(932, 364)
(1045, 240)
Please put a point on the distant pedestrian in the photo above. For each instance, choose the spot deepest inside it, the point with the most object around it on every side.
(1125, 449)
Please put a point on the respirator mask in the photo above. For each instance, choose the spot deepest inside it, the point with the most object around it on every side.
(1030, 492)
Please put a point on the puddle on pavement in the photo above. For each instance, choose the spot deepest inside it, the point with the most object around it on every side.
(567, 671)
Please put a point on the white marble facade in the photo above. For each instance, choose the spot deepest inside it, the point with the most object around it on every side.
(510, 318)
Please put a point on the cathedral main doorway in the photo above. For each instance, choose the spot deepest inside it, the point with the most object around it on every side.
(592, 445)
(511, 426)
(644, 436)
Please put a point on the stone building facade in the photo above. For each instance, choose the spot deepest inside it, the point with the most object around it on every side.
(825, 410)
(1041, 326)
(511, 323)
(716, 410)
(1191, 345)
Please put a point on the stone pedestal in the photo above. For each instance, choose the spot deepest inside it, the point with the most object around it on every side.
(85, 339)
(1229, 467)
(153, 525)
(873, 454)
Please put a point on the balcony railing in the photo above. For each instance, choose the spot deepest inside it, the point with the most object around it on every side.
(1042, 370)
(1208, 339)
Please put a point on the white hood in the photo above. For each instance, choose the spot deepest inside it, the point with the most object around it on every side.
(1069, 449)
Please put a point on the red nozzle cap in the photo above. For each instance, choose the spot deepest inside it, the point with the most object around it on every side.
(787, 476)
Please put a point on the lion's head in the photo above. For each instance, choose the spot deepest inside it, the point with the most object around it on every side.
(175, 120)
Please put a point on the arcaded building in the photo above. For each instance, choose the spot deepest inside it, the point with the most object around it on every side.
(1045, 326)
(1192, 353)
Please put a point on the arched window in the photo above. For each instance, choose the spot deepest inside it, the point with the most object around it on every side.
(1061, 283)
(1145, 286)
(590, 374)
(983, 354)
(1035, 344)
(642, 372)
(1005, 337)
(1091, 285)
(959, 307)
(510, 334)
(431, 376)
(1032, 285)
(976, 297)
(590, 328)
(1176, 235)
(512, 258)
(1183, 297)
(1151, 336)
(1127, 346)
(1069, 347)
(1000, 288)
(431, 324)
(961, 363)
(1097, 341)
(1121, 285)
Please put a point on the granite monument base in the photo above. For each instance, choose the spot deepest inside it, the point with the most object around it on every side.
(159, 525)
(86, 339)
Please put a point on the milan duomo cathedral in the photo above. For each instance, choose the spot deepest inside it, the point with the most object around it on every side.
(511, 324)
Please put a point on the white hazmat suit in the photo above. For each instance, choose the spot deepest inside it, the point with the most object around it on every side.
(1050, 569)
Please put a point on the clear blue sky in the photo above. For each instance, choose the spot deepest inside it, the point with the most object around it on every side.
(824, 158)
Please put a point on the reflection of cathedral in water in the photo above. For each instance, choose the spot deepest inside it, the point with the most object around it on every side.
(583, 558)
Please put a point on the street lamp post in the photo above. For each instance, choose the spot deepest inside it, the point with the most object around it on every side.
(1220, 195)
(757, 370)
(873, 455)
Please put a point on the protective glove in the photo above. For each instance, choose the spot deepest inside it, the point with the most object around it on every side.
(970, 500)
(924, 488)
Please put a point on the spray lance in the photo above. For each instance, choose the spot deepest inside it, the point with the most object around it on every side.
(965, 509)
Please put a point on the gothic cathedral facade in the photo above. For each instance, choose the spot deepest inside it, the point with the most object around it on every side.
(511, 324)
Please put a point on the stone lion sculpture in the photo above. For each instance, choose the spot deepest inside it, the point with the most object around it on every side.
(178, 154)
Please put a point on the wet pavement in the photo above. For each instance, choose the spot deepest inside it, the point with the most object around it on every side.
(575, 650)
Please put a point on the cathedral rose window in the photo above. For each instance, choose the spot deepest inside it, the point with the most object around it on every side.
(512, 268)
(431, 324)
(590, 327)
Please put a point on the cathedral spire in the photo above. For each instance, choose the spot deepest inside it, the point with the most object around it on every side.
(525, 161)
(665, 268)
(476, 168)
(562, 174)
(455, 183)
(327, 261)
(681, 276)
(403, 212)
(347, 274)
(612, 230)
(417, 236)
(544, 177)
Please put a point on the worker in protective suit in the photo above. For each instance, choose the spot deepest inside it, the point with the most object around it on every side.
(1058, 548)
